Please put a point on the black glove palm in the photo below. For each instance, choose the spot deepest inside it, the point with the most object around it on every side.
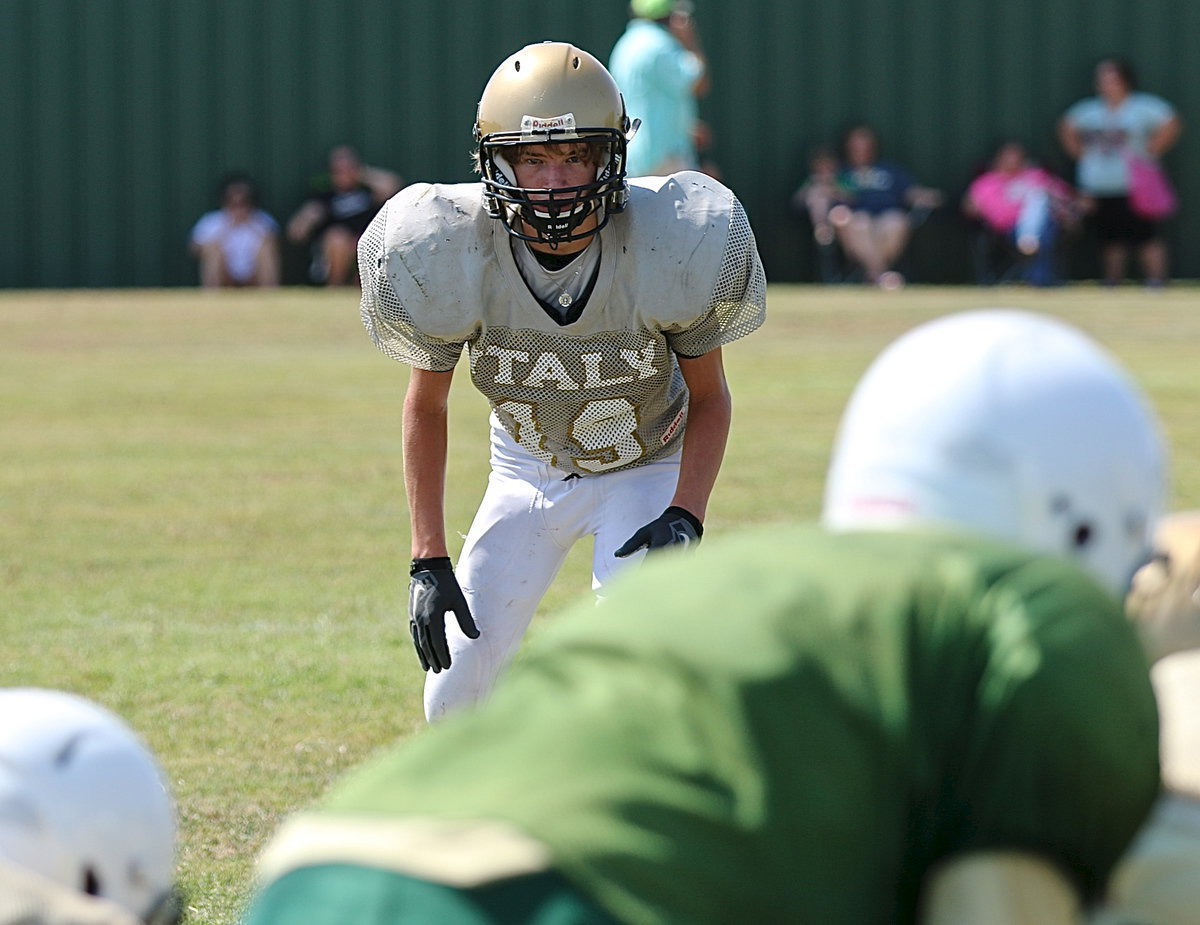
(433, 591)
(673, 527)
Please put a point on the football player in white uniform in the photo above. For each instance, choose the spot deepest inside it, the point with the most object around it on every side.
(593, 311)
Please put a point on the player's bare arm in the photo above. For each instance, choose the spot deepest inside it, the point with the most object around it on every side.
(433, 588)
(710, 409)
(1000, 888)
(424, 439)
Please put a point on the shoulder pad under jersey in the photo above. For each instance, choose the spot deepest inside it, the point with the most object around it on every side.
(695, 232)
(436, 242)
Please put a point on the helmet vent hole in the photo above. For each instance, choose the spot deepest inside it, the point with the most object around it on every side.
(91, 883)
(1083, 535)
(67, 753)
(517, 65)
(575, 62)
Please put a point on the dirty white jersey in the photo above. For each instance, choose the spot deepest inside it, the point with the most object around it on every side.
(593, 388)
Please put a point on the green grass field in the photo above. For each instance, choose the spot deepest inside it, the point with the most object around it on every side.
(203, 524)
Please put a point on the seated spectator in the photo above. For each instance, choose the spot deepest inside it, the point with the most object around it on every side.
(237, 244)
(337, 212)
(874, 226)
(1025, 206)
(820, 192)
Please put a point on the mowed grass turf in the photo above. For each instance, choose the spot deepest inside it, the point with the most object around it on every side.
(203, 522)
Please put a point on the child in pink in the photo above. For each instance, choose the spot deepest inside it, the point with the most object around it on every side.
(1024, 204)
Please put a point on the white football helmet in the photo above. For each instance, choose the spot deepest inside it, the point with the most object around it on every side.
(545, 94)
(83, 802)
(1007, 423)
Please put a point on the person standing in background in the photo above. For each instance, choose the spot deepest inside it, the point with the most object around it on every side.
(1102, 133)
(660, 67)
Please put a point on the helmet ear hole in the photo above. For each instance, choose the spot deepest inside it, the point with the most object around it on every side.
(1083, 535)
(91, 882)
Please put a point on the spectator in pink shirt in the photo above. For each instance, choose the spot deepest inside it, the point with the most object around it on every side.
(1025, 206)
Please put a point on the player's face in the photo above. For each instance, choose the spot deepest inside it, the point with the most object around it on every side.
(549, 167)
(540, 169)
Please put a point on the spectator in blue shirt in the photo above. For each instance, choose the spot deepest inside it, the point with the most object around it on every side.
(874, 225)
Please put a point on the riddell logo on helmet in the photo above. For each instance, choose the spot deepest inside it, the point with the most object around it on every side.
(532, 125)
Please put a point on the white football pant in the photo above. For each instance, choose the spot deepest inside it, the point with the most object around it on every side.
(530, 517)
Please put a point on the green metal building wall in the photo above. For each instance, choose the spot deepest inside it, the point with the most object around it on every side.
(118, 117)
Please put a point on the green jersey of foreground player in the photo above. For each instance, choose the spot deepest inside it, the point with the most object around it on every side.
(933, 708)
(593, 312)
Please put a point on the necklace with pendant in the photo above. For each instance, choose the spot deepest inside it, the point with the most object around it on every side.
(558, 280)
(565, 299)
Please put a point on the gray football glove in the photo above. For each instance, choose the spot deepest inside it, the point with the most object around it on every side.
(673, 527)
(433, 592)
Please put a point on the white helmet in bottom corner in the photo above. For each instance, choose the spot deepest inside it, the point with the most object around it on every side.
(83, 801)
(1009, 424)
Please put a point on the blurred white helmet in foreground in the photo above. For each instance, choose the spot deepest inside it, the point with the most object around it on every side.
(82, 800)
(1009, 424)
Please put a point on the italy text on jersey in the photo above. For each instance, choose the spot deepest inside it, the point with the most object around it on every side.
(584, 405)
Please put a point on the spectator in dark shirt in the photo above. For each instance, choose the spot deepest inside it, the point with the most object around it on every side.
(338, 210)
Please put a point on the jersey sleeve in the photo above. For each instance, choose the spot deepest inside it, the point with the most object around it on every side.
(1061, 759)
(266, 222)
(738, 303)
(387, 320)
(1079, 114)
(207, 229)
